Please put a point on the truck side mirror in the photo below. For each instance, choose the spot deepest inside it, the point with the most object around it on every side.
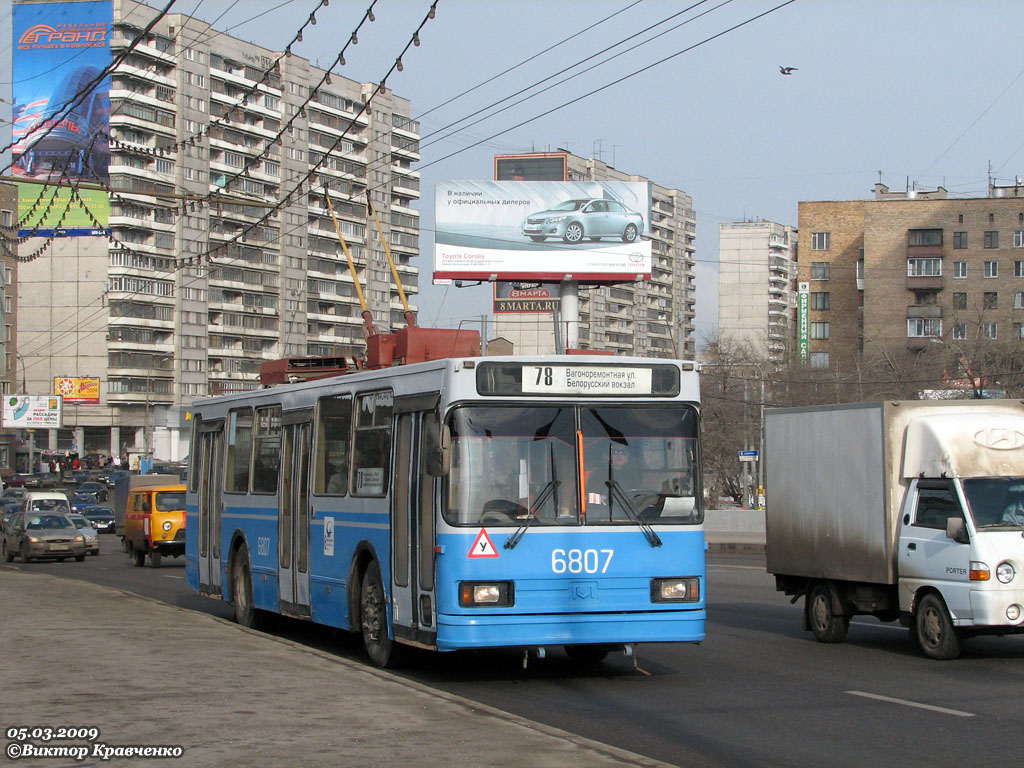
(437, 439)
(956, 530)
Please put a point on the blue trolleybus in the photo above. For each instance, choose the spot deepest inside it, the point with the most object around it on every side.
(460, 503)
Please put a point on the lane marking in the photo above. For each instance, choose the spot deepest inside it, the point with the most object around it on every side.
(168, 576)
(736, 567)
(905, 703)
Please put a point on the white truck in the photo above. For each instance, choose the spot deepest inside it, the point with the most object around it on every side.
(903, 510)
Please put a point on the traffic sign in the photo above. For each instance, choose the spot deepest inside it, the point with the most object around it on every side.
(748, 455)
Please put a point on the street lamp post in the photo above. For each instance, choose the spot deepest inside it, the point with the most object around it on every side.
(150, 422)
(24, 391)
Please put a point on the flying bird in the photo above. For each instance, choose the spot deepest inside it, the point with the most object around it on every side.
(787, 70)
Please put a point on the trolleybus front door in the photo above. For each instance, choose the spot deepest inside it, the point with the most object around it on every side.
(412, 561)
(211, 504)
(293, 532)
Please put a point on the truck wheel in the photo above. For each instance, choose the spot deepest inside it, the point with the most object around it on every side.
(936, 635)
(138, 556)
(825, 624)
(154, 558)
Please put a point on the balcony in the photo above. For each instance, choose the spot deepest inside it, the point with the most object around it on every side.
(917, 310)
(925, 282)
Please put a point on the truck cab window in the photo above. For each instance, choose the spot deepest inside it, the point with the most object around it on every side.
(935, 505)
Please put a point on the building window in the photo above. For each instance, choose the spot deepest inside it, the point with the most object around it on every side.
(992, 238)
(991, 269)
(959, 239)
(819, 330)
(990, 300)
(821, 270)
(924, 327)
(820, 300)
(1018, 268)
(926, 298)
(7, 219)
(1018, 331)
(959, 301)
(960, 218)
(924, 267)
(959, 269)
(990, 330)
(959, 331)
(820, 241)
(1018, 300)
(1018, 238)
(819, 359)
(924, 237)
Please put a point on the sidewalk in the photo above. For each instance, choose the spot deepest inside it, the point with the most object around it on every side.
(147, 673)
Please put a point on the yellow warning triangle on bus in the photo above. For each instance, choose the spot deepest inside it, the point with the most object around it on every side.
(482, 546)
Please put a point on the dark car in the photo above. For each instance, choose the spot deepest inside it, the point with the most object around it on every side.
(77, 477)
(116, 475)
(92, 486)
(101, 518)
(15, 481)
(81, 500)
(13, 493)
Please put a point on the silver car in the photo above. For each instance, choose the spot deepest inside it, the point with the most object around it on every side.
(42, 534)
(92, 536)
(592, 218)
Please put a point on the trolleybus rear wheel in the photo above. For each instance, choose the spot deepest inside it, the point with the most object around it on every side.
(241, 589)
(586, 655)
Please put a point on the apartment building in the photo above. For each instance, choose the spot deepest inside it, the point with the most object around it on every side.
(9, 380)
(910, 271)
(176, 305)
(651, 318)
(757, 298)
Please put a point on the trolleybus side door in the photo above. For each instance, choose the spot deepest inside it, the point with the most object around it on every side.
(294, 518)
(211, 504)
(412, 561)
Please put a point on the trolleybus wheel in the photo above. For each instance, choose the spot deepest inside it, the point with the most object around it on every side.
(373, 618)
(241, 590)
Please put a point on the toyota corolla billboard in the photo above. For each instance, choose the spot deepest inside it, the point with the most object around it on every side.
(587, 231)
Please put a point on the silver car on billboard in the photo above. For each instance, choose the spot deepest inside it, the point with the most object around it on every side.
(593, 218)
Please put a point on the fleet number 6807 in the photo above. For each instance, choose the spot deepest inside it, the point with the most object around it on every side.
(581, 560)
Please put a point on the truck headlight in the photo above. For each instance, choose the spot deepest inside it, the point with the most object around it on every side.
(1005, 573)
(1013, 612)
(980, 571)
(681, 590)
(167, 525)
(473, 594)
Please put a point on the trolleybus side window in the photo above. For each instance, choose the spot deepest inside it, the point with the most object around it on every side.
(236, 480)
(268, 449)
(195, 460)
(371, 450)
(334, 423)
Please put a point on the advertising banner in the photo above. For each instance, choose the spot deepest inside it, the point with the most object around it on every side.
(545, 231)
(77, 389)
(32, 412)
(526, 297)
(803, 320)
(61, 114)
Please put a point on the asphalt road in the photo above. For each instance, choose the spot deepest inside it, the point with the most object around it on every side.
(758, 692)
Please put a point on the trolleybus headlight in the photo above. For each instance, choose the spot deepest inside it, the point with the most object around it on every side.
(167, 525)
(476, 593)
(685, 590)
(1013, 612)
(1005, 573)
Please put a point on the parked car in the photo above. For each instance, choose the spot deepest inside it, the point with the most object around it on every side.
(91, 486)
(81, 500)
(15, 481)
(100, 518)
(92, 537)
(593, 218)
(13, 493)
(32, 535)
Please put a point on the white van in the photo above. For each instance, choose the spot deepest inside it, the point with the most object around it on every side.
(46, 501)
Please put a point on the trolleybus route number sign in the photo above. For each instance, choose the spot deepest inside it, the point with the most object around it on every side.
(586, 379)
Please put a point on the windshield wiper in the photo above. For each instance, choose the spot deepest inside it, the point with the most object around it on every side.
(531, 517)
(619, 495)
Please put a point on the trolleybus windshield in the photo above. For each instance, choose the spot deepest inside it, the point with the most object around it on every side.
(573, 465)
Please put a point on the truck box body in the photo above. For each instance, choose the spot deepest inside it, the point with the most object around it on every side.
(836, 477)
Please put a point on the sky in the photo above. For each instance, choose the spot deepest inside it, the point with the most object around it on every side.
(912, 92)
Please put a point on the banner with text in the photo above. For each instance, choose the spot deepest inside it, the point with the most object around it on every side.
(587, 231)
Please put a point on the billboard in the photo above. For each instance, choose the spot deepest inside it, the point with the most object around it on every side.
(77, 389)
(526, 297)
(32, 411)
(803, 321)
(61, 51)
(543, 231)
(532, 167)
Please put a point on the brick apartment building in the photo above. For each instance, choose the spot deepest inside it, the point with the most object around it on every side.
(911, 271)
